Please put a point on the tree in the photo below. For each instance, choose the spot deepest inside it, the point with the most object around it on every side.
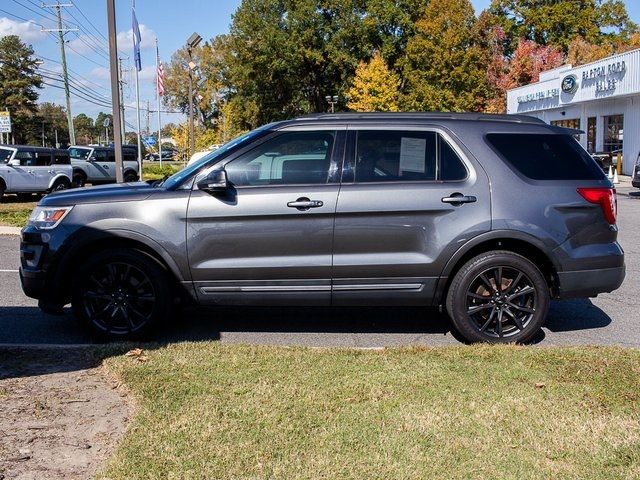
(444, 67)
(374, 87)
(581, 51)
(85, 129)
(556, 23)
(19, 82)
(51, 118)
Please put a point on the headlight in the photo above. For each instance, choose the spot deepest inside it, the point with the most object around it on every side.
(46, 218)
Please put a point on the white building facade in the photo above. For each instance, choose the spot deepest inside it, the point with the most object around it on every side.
(601, 98)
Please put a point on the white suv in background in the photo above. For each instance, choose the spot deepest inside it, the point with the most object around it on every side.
(97, 165)
(25, 170)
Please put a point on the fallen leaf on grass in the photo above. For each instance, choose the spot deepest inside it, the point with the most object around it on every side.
(136, 352)
(540, 385)
(142, 358)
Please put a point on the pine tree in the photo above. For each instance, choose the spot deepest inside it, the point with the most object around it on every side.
(374, 87)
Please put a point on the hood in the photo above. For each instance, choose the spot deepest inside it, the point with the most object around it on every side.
(114, 192)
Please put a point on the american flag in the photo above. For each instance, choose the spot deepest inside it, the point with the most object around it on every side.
(160, 79)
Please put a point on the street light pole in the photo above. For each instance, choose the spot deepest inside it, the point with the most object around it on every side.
(332, 100)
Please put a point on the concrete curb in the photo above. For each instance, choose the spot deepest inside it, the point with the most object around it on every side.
(10, 230)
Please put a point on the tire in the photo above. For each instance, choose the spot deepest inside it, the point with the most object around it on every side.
(121, 294)
(59, 185)
(498, 297)
(79, 179)
(130, 177)
(2, 190)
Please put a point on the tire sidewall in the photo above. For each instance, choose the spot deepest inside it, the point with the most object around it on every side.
(157, 275)
(457, 296)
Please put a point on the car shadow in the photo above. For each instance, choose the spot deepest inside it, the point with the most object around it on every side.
(24, 327)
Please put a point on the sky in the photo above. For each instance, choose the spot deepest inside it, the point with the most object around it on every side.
(170, 21)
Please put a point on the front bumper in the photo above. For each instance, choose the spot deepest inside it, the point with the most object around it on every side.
(589, 283)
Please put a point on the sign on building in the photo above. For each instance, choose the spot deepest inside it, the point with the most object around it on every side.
(5, 122)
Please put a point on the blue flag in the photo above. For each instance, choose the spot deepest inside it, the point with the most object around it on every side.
(136, 40)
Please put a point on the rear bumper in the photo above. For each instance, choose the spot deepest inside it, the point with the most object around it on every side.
(589, 283)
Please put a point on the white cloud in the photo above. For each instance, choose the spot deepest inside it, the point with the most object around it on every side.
(101, 73)
(148, 36)
(27, 31)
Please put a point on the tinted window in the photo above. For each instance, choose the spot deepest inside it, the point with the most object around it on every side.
(5, 154)
(42, 159)
(129, 156)
(101, 155)
(387, 156)
(111, 156)
(62, 158)
(451, 167)
(290, 158)
(546, 157)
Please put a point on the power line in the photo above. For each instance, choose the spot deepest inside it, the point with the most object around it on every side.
(90, 22)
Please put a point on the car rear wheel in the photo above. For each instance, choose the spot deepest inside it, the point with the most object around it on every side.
(498, 297)
(130, 177)
(2, 189)
(121, 294)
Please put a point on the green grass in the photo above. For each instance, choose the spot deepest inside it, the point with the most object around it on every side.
(15, 214)
(238, 412)
(155, 172)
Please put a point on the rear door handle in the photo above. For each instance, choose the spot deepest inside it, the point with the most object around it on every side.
(457, 199)
(304, 203)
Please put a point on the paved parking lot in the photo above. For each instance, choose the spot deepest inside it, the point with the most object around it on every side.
(609, 319)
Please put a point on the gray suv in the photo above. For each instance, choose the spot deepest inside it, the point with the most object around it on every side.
(487, 216)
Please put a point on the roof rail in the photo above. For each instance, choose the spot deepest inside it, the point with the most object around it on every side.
(468, 116)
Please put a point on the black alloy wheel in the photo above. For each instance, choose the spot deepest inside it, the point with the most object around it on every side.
(122, 294)
(498, 297)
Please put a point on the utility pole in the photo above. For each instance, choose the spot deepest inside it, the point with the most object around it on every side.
(115, 96)
(192, 42)
(61, 31)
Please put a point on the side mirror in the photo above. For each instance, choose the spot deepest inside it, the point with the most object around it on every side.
(15, 162)
(214, 182)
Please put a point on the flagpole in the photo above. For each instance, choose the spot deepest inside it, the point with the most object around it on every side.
(138, 66)
(158, 97)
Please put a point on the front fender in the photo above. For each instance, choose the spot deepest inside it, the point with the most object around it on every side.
(56, 178)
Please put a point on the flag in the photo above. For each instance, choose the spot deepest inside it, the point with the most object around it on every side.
(160, 78)
(137, 38)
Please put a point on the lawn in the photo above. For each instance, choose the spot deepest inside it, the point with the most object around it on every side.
(153, 171)
(215, 411)
(14, 213)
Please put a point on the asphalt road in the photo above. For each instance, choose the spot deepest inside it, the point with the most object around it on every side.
(610, 319)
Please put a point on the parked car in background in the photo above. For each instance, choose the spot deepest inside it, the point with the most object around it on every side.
(167, 155)
(487, 216)
(96, 165)
(25, 170)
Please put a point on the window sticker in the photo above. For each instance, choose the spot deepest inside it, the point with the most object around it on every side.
(412, 154)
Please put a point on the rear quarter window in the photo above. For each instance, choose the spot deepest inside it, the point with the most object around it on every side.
(545, 156)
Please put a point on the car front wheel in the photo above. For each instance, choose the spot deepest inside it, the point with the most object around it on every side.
(121, 294)
(498, 297)
(60, 184)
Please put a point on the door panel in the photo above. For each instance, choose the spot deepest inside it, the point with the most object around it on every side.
(268, 239)
(393, 237)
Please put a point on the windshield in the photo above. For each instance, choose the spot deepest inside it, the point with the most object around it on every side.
(79, 152)
(5, 154)
(211, 157)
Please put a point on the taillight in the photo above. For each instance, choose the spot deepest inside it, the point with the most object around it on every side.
(603, 196)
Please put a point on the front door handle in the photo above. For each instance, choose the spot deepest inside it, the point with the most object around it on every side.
(304, 203)
(456, 199)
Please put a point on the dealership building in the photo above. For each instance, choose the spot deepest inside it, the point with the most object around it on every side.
(601, 98)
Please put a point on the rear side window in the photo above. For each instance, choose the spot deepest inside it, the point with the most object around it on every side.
(400, 156)
(546, 157)
(43, 159)
(62, 158)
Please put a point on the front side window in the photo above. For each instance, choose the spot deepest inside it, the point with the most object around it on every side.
(400, 156)
(78, 153)
(288, 159)
(26, 157)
